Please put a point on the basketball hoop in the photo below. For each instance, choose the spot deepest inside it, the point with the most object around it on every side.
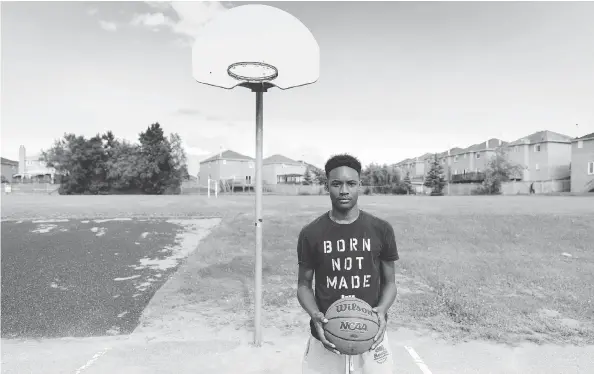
(256, 72)
(246, 46)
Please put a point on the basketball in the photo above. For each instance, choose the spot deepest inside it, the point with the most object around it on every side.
(351, 326)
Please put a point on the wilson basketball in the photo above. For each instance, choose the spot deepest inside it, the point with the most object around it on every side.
(351, 325)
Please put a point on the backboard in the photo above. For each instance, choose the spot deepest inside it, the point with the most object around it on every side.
(255, 39)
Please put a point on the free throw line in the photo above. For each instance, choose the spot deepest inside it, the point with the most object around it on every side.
(424, 368)
(92, 360)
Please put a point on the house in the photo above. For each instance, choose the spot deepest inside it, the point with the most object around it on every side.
(544, 155)
(582, 164)
(9, 168)
(469, 164)
(228, 166)
(415, 167)
(32, 169)
(280, 169)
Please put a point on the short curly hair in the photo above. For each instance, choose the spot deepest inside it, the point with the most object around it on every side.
(343, 160)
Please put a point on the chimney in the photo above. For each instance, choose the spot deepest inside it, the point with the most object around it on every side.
(22, 156)
(221, 151)
(499, 142)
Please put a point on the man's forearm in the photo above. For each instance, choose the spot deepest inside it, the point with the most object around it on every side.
(307, 300)
(387, 297)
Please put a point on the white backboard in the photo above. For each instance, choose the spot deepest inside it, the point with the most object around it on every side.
(256, 33)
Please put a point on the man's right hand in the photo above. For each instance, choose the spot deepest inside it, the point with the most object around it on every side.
(319, 320)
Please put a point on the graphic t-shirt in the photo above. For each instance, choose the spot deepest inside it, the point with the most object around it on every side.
(346, 258)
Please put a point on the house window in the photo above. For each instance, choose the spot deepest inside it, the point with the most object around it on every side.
(224, 162)
(536, 167)
(456, 158)
(537, 148)
(516, 149)
(580, 144)
(251, 165)
(591, 168)
(478, 155)
(284, 166)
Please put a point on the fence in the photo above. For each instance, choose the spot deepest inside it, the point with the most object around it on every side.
(29, 188)
(513, 187)
(195, 188)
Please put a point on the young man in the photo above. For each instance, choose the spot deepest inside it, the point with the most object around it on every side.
(352, 254)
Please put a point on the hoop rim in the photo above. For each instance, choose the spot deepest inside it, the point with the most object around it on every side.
(266, 78)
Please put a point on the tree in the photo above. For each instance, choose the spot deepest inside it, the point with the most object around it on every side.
(179, 165)
(435, 179)
(81, 162)
(408, 183)
(320, 176)
(307, 180)
(499, 169)
(154, 163)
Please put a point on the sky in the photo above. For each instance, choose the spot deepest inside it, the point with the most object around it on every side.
(397, 79)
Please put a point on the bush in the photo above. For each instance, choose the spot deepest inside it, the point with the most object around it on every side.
(400, 189)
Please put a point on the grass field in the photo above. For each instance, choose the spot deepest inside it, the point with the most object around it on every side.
(505, 269)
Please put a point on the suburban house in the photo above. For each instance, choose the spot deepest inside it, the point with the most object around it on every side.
(9, 168)
(32, 169)
(278, 169)
(544, 155)
(415, 167)
(469, 164)
(228, 166)
(582, 164)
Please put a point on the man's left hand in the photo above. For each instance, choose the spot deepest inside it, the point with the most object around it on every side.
(379, 337)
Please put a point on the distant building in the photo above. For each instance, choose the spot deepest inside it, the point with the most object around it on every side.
(278, 169)
(32, 169)
(9, 168)
(226, 166)
(582, 164)
(544, 155)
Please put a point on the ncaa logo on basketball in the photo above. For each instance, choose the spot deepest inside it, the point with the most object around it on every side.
(353, 326)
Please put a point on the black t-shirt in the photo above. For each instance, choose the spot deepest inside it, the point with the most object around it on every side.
(346, 258)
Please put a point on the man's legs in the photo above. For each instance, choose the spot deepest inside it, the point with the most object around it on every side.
(318, 360)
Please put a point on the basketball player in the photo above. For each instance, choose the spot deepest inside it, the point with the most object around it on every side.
(351, 253)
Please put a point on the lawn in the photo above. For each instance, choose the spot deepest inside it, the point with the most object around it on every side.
(504, 268)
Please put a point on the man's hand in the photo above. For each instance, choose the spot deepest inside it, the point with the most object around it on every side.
(379, 337)
(319, 320)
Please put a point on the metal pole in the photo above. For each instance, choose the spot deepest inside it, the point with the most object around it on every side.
(258, 262)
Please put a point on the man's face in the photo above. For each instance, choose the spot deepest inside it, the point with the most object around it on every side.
(343, 185)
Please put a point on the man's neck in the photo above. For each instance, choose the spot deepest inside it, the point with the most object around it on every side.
(345, 217)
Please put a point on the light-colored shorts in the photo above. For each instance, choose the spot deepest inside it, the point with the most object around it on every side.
(318, 360)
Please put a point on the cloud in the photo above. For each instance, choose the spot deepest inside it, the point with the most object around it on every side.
(195, 151)
(189, 18)
(151, 20)
(188, 112)
(160, 5)
(108, 26)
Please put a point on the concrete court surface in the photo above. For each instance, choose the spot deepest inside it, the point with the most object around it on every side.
(140, 353)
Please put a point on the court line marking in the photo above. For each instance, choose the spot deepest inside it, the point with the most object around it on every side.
(417, 359)
(92, 360)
